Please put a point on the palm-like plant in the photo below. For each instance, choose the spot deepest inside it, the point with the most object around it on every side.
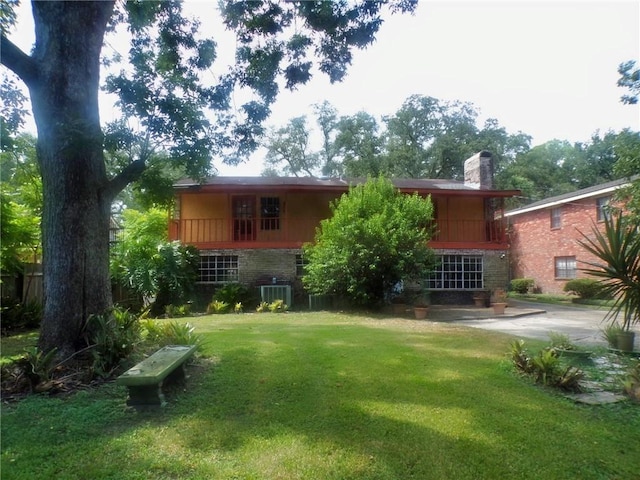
(617, 250)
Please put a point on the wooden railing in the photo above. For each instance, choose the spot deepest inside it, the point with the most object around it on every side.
(227, 233)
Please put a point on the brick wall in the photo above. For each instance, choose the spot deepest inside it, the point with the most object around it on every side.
(535, 245)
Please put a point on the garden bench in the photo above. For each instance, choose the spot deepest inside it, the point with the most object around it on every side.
(146, 379)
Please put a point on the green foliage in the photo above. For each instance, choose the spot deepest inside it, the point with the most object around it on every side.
(522, 285)
(233, 293)
(561, 341)
(111, 336)
(37, 365)
(164, 333)
(375, 238)
(178, 310)
(17, 315)
(617, 251)
(631, 382)
(585, 288)
(629, 79)
(218, 307)
(262, 307)
(610, 333)
(545, 367)
(278, 306)
(145, 262)
(238, 308)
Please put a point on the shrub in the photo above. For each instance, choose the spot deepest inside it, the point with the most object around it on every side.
(164, 333)
(545, 368)
(112, 336)
(218, 307)
(233, 293)
(522, 285)
(17, 315)
(585, 288)
(262, 307)
(278, 306)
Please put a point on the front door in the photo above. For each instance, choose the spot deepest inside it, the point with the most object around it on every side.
(244, 218)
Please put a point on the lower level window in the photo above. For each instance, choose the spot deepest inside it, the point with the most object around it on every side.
(457, 272)
(218, 268)
(301, 263)
(565, 267)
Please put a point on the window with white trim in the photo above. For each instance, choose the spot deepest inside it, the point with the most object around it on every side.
(457, 272)
(565, 267)
(556, 218)
(218, 268)
(301, 263)
(602, 208)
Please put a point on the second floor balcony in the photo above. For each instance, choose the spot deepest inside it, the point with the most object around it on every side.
(293, 232)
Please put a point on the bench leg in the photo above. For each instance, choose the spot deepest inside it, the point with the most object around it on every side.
(146, 395)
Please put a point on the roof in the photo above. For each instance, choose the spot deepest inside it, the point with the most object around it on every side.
(589, 192)
(334, 184)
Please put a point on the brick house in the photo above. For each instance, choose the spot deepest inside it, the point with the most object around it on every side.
(251, 229)
(544, 235)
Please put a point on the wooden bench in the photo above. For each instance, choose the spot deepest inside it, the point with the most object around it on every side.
(145, 380)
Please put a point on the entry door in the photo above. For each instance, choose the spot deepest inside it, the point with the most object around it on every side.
(244, 218)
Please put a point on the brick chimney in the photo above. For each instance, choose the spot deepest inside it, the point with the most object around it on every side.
(478, 171)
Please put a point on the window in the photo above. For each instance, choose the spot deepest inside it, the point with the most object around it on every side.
(565, 267)
(457, 272)
(556, 218)
(602, 208)
(301, 263)
(270, 213)
(218, 268)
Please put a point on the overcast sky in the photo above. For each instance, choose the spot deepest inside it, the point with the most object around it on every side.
(546, 68)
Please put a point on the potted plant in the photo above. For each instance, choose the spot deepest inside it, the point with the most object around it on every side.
(610, 334)
(421, 305)
(499, 302)
(617, 250)
(481, 298)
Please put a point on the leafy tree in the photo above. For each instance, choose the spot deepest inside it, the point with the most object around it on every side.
(326, 117)
(162, 89)
(290, 145)
(627, 149)
(145, 262)
(375, 238)
(629, 79)
(359, 146)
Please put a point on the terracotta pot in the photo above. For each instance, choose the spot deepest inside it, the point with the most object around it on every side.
(420, 312)
(498, 308)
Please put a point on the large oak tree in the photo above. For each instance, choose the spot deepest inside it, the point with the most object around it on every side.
(277, 42)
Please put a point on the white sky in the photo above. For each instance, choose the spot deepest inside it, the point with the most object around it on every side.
(546, 68)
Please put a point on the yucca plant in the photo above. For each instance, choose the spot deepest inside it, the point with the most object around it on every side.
(617, 250)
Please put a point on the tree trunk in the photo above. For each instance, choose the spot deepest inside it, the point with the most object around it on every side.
(77, 200)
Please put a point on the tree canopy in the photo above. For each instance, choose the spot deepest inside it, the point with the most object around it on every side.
(159, 87)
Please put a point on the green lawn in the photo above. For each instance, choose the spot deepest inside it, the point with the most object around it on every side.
(329, 396)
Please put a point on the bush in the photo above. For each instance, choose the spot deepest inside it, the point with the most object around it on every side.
(234, 293)
(585, 288)
(112, 336)
(164, 333)
(17, 315)
(545, 368)
(522, 285)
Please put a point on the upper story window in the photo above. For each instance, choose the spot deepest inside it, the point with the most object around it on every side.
(270, 213)
(556, 218)
(602, 208)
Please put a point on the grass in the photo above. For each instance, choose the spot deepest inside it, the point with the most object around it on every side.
(328, 396)
(561, 299)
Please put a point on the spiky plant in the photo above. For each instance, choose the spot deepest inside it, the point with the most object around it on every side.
(617, 250)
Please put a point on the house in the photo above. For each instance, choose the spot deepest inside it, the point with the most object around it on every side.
(544, 235)
(252, 229)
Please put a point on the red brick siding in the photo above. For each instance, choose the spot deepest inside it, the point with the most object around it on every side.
(535, 245)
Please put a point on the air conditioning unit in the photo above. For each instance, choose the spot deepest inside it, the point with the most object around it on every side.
(271, 293)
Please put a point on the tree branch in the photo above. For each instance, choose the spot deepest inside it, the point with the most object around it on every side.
(17, 61)
(130, 173)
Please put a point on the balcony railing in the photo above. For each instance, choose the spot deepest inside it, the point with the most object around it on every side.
(291, 232)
